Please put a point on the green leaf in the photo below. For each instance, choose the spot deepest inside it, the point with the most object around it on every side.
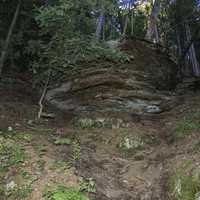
(63, 141)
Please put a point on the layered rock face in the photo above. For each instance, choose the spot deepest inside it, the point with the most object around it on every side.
(142, 85)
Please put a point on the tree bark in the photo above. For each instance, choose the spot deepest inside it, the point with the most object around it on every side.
(192, 52)
(152, 31)
(100, 24)
(8, 38)
(126, 19)
(132, 22)
(125, 25)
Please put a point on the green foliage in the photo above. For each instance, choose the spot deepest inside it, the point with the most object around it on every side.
(76, 150)
(196, 146)
(73, 16)
(26, 175)
(41, 165)
(185, 186)
(131, 144)
(139, 24)
(60, 166)
(88, 186)
(69, 27)
(16, 135)
(88, 123)
(55, 34)
(63, 141)
(64, 53)
(186, 126)
(25, 29)
(11, 153)
(19, 192)
(24, 137)
(63, 193)
(40, 149)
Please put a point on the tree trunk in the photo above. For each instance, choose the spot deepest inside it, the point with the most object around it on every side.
(152, 31)
(8, 38)
(125, 25)
(132, 22)
(192, 53)
(126, 19)
(179, 47)
(100, 24)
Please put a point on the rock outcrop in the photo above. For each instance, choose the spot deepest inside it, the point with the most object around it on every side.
(107, 87)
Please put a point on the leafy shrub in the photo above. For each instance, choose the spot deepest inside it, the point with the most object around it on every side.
(88, 185)
(63, 193)
(63, 141)
(69, 43)
(87, 123)
(131, 144)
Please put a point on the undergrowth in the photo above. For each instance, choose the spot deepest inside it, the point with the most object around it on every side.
(63, 193)
(189, 124)
(131, 144)
(185, 184)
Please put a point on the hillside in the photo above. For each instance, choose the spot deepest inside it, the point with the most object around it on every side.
(146, 80)
(119, 132)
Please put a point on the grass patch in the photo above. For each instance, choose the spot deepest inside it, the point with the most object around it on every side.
(87, 123)
(40, 165)
(11, 153)
(40, 149)
(19, 192)
(186, 126)
(196, 147)
(63, 141)
(185, 184)
(10, 133)
(60, 166)
(24, 137)
(63, 193)
(131, 144)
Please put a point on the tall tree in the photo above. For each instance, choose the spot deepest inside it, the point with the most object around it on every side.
(192, 52)
(100, 24)
(8, 38)
(152, 31)
(184, 15)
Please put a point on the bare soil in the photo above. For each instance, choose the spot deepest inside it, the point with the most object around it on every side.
(119, 175)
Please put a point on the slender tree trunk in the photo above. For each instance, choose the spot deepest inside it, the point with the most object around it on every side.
(111, 27)
(125, 25)
(192, 52)
(126, 19)
(8, 38)
(182, 65)
(152, 31)
(132, 22)
(100, 24)
(179, 48)
(103, 30)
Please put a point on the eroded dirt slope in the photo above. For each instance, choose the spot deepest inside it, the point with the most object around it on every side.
(132, 159)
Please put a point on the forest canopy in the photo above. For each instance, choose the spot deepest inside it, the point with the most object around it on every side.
(37, 35)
